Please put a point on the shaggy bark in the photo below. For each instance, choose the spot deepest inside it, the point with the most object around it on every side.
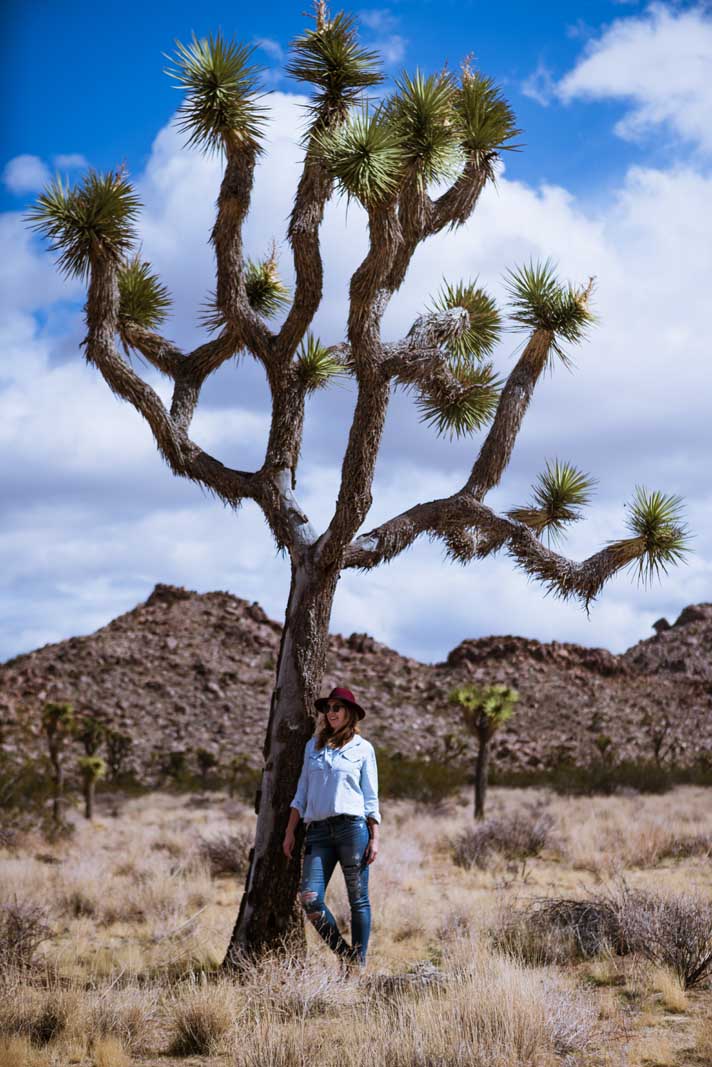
(269, 915)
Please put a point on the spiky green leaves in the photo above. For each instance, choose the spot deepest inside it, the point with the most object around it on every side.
(538, 301)
(421, 112)
(87, 222)
(266, 292)
(92, 768)
(316, 367)
(486, 121)
(221, 92)
(492, 703)
(559, 494)
(331, 59)
(660, 537)
(465, 404)
(479, 339)
(142, 298)
(365, 156)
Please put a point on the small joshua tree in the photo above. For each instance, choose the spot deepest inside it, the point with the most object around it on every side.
(483, 712)
(118, 747)
(92, 768)
(58, 725)
(207, 762)
(441, 130)
(91, 733)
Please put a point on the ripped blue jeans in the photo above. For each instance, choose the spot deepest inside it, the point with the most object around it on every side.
(340, 839)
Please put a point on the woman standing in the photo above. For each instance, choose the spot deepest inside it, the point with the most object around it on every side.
(337, 796)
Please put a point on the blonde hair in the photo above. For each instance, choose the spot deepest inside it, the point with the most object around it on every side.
(337, 738)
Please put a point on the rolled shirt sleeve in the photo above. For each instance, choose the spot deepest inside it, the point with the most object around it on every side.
(369, 785)
(300, 797)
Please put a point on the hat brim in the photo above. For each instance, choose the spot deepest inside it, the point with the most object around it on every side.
(321, 703)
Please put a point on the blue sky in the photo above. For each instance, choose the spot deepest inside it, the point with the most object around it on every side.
(613, 180)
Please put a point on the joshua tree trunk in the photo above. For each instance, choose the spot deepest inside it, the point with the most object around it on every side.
(89, 800)
(269, 911)
(58, 789)
(481, 769)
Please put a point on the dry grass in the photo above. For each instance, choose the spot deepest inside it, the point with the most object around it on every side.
(139, 916)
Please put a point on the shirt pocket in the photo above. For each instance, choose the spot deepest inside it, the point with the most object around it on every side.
(349, 763)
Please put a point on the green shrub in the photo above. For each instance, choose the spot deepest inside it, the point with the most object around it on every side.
(409, 778)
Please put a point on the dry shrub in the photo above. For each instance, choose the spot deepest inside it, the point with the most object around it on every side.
(41, 1015)
(199, 1017)
(124, 1013)
(269, 1045)
(109, 1052)
(23, 928)
(18, 1052)
(518, 835)
(492, 1012)
(558, 930)
(228, 854)
(287, 987)
(689, 847)
(674, 932)
(670, 989)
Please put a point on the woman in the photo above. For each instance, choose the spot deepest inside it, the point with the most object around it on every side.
(337, 796)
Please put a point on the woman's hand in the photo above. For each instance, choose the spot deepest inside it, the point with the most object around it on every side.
(371, 850)
(288, 844)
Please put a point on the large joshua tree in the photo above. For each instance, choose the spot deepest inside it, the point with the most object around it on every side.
(389, 155)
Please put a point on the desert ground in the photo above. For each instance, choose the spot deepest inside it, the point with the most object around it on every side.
(112, 937)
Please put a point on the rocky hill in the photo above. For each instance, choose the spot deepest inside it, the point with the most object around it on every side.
(186, 670)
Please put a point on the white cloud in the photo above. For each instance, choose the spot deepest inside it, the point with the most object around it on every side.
(25, 174)
(70, 161)
(87, 481)
(660, 63)
(540, 85)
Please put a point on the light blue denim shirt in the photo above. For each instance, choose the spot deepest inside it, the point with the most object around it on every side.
(338, 781)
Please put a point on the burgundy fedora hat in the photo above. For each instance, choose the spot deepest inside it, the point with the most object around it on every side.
(345, 696)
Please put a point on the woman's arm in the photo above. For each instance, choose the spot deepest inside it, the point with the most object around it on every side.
(369, 788)
(288, 843)
(298, 807)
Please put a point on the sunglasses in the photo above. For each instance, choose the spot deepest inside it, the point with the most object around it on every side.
(335, 707)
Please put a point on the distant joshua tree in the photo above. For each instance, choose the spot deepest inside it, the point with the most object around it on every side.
(58, 724)
(389, 156)
(483, 712)
(92, 768)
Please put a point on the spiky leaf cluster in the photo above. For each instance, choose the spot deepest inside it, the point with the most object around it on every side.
(467, 406)
(316, 366)
(92, 767)
(364, 155)
(330, 58)
(94, 219)
(485, 320)
(486, 121)
(493, 702)
(266, 292)
(421, 111)
(660, 536)
(142, 298)
(538, 301)
(558, 495)
(58, 719)
(221, 93)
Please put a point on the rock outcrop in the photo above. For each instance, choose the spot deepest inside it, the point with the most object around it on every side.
(186, 670)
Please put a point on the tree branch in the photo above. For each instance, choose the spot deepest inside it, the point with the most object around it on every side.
(451, 517)
(497, 448)
(156, 350)
(313, 192)
(231, 301)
